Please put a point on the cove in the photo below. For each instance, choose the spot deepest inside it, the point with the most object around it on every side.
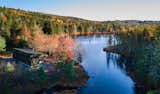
(106, 75)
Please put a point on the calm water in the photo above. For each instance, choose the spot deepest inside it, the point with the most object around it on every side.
(106, 76)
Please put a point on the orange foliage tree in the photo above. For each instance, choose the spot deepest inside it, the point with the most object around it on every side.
(27, 34)
(4, 18)
(65, 47)
(61, 47)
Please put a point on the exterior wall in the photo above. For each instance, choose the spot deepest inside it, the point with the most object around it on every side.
(28, 58)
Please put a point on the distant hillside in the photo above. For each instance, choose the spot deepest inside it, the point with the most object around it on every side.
(48, 23)
(13, 19)
(15, 24)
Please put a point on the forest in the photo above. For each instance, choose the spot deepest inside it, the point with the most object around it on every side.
(137, 41)
(15, 23)
(139, 50)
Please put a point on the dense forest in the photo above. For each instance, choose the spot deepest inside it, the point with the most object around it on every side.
(15, 23)
(139, 51)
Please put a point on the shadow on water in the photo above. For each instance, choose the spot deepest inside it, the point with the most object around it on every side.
(114, 57)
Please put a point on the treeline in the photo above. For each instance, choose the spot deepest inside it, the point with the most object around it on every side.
(141, 46)
(18, 19)
(15, 24)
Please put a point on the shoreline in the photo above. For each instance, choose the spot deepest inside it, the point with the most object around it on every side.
(91, 33)
(140, 86)
(55, 81)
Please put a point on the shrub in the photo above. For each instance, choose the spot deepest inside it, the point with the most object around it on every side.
(2, 44)
(67, 69)
(10, 67)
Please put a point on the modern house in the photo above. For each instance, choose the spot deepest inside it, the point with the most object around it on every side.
(28, 56)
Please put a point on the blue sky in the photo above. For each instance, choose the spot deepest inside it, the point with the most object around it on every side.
(92, 9)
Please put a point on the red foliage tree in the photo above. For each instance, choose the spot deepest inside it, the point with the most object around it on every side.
(60, 47)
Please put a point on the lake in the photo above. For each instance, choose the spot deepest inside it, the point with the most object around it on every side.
(106, 75)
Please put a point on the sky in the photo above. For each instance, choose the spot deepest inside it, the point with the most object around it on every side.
(99, 10)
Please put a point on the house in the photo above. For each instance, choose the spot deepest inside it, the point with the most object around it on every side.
(28, 56)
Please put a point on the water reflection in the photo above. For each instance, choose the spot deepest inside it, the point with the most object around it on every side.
(113, 58)
(106, 75)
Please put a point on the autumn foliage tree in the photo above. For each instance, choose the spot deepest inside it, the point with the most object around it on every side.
(44, 43)
(62, 47)
(65, 47)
